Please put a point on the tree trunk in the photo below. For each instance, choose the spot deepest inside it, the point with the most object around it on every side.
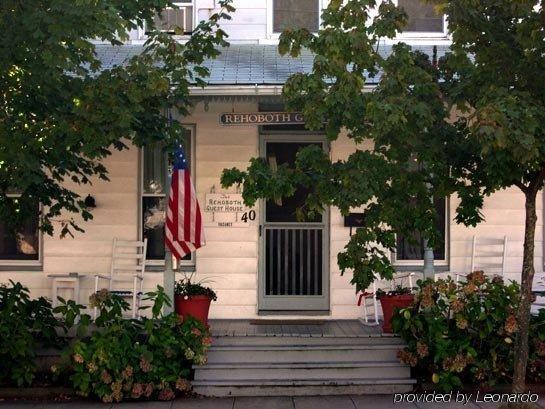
(523, 313)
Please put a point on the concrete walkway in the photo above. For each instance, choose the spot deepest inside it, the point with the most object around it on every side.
(319, 402)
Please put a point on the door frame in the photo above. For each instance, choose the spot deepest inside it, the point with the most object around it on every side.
(308, 303)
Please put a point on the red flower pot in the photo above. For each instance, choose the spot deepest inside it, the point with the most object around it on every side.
(389, 303)
(196, 306)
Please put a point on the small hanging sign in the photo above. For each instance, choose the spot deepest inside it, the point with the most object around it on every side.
(262, 118)
(228, 210)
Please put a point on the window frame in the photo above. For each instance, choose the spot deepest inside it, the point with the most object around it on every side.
(187, 265)
(271, 34)
(446, 244)
(192, 3)
(403, 35)
(26, 263)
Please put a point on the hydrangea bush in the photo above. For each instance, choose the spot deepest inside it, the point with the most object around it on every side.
(464, 333)
(149, 358)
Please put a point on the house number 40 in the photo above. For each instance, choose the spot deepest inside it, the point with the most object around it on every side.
(248, 216)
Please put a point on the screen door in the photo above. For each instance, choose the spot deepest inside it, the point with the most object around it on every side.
(294, 253)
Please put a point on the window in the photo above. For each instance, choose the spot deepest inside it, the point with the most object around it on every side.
(176, 20)
(422, 17)
(295, 14)
(412, 251)
(153, 199)
(22, 245)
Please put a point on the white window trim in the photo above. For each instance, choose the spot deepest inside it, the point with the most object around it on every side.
(271, 35)
(419, 35)
(142, 30)
(183, 263)
(446, 244)
(26, 263)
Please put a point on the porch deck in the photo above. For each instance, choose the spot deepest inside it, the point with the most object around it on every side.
(299, 328)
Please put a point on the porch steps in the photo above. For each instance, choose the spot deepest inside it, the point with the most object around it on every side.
(298, 365)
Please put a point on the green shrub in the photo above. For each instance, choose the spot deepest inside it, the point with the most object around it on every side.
(464, 333)
(25, 325)
(536, 358)
(149, 358)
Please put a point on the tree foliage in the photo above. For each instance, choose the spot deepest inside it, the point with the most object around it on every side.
(61, 113)
(404, 117)
(470, 125)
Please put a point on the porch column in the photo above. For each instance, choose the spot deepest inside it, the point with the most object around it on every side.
(169, 275)
(429, 268)
(168, 281)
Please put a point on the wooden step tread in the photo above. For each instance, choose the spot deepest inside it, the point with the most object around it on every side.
(310, 382)
(298, 365)
(273, 340)
(298, 347)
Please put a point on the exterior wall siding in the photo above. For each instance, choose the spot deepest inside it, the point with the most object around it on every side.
(229, 261)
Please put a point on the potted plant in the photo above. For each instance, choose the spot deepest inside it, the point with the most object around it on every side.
(193, 299)
(398, 297)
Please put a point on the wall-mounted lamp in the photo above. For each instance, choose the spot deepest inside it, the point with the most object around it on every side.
(354, 220)
(90, 201)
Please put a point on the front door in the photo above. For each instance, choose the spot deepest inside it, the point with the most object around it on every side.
(294, 254)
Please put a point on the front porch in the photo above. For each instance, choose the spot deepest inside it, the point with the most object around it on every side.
(294, 328)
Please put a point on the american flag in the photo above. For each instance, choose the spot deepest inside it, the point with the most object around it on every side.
(184, 229)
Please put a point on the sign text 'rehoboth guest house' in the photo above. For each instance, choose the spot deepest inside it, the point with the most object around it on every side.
(224, 203)
(262, 118)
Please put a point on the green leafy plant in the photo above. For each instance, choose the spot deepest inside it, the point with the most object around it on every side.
(536, 358)
(149, 358)
(25, 325)
(397, 290)
(465, 333)
(188, 288)
(63, 112)
(469, 124)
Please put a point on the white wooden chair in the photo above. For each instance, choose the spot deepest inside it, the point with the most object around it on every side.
(128, 266)
(487, 254)
(368, 299)
(539, 289)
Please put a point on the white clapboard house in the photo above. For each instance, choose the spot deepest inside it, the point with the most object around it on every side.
(262, 262)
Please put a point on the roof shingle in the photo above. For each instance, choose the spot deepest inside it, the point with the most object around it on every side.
(245, 64)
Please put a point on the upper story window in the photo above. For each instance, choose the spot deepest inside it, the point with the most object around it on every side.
(177, 21)
(295, 14)
(22, 245)
(422, 17)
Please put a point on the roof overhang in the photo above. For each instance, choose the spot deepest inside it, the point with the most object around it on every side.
(246, 90)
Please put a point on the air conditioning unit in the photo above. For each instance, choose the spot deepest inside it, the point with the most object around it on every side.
(174, 21)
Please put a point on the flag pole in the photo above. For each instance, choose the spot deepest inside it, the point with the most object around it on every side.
(169, 275)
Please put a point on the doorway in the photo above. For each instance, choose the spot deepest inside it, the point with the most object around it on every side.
(294, 253)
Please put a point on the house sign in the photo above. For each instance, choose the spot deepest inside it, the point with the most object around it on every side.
(228, 210)
(262, 118)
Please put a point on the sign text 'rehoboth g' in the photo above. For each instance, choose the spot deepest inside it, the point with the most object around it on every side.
(262, 118)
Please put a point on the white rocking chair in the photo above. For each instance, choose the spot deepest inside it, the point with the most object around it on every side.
(370, 295)
(487, 254)
(128, 265)
(539, 291)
